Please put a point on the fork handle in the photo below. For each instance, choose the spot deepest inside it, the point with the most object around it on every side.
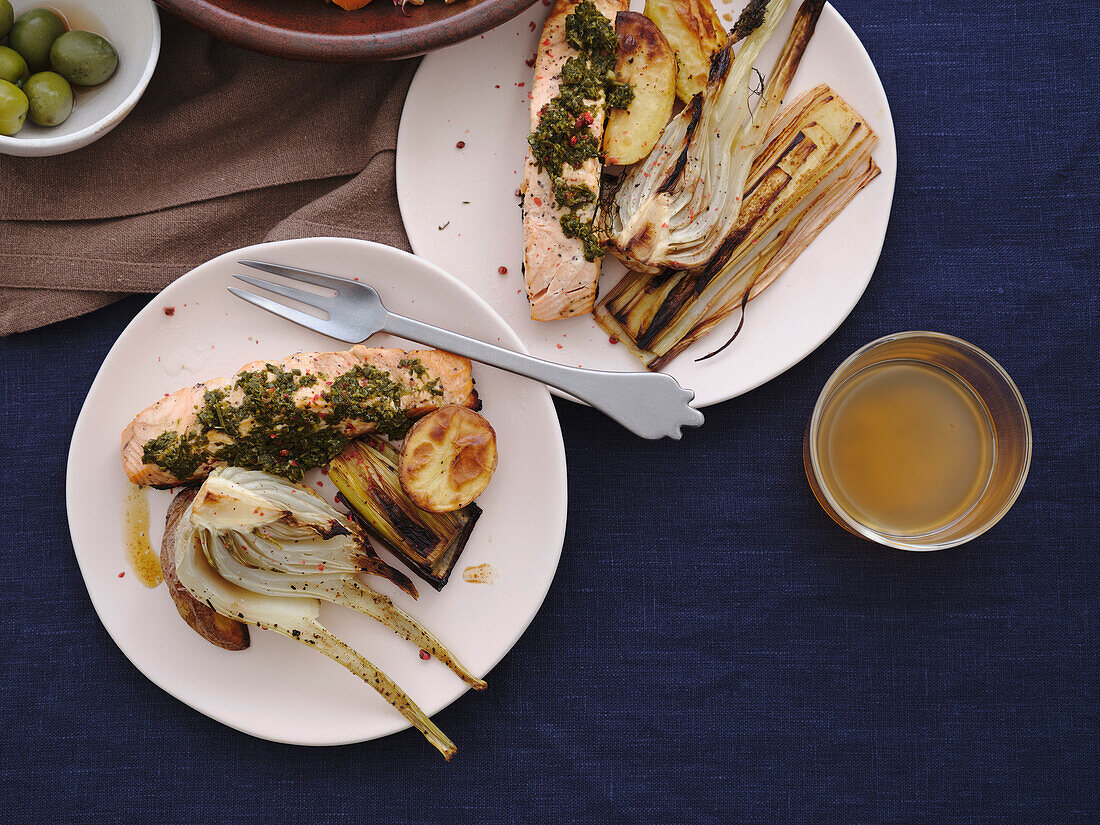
(649, 404)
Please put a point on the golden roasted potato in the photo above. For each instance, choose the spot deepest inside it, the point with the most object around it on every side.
(694, 31)
(447, 459)
(646, 62)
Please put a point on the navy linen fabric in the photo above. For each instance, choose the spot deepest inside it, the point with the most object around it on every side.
(713, 649)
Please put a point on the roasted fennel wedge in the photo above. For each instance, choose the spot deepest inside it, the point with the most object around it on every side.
(264, 550)
(816, 158)
(677, 207)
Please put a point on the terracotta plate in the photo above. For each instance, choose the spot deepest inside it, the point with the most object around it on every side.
(317, 30)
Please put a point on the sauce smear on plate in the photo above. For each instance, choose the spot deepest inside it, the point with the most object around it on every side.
(144, 562)
(479, 574)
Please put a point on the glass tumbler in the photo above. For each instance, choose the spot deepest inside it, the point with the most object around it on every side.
(998, 399)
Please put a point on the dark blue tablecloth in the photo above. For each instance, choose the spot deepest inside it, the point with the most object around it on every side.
(713, 649)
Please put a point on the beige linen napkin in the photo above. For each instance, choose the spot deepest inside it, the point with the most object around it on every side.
(226, 148)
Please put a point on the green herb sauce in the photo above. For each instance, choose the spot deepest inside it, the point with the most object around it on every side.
(176, 455)
(267, 430)
(562, 137)
(571, 195)
(576, 227)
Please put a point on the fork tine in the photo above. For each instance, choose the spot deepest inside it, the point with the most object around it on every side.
(296, 274)
(296, 315)
(307, 298)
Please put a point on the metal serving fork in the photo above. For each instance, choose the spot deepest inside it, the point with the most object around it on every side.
(649, 404)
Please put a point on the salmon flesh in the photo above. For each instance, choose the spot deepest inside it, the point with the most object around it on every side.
(427, 379)
(560, 282)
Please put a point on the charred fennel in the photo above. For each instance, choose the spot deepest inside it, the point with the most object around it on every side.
(676, 208)
(817, 158)
(260, 549)
(366, 474)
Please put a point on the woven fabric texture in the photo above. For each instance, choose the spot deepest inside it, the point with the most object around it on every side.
(226, 148)
(713, 648)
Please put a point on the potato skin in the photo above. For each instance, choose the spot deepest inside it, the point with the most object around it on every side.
(212, 626)
(694, 32)
(647, 62)
(448, 459)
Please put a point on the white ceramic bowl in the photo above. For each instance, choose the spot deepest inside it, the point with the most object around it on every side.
(133, 28)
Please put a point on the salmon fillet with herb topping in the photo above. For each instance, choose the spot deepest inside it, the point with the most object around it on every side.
(561, 177)
(289, 416)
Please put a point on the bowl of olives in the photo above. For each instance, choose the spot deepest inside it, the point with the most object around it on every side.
(71, 70)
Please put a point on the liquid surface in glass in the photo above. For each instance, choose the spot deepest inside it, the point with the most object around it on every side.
(905, 447)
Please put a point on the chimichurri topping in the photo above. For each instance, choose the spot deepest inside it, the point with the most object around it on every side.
(562, 137)
(574, 226)
(269, 430)
(414, 365)
(174, 454)
(367, 393)
(571, 195)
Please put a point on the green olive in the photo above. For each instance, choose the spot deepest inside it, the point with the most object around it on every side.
(83, 58)
(33, 34)
(50, 97)
(7, 15)
(13, 68)
(13, 108)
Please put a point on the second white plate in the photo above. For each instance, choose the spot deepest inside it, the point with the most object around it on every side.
(461, 212)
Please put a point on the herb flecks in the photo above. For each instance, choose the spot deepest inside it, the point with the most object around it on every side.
(563, 136)
(619, 95)
(574, 226)
(172, 452)
(414, 365)
(284, 422)
(570, 196)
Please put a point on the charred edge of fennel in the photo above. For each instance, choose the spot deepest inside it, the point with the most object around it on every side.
(430, 543)
(382, 609)
(294, 617)
(676, 207)
(278, 538)
(817, 157)
(316, 635)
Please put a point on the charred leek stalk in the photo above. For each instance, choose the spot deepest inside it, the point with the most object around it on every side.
(817, 158)
(366, 474)
(676, 208)
(260, 549)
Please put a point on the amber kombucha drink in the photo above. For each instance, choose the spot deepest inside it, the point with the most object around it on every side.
(907, 447)
(919, 441)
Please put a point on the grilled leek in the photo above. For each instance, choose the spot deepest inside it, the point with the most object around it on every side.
(367, 476)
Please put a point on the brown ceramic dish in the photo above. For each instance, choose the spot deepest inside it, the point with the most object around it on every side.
(316, 30)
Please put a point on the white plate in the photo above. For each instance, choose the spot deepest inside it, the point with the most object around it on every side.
(476, 92)
(133, 28)
(277, 689)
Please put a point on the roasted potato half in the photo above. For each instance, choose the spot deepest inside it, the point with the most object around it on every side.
(447, 459)
(695, 32)
(646, 62)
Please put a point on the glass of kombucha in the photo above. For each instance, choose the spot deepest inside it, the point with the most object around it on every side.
(919, 440)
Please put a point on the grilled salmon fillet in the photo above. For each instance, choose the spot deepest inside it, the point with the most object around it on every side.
(560, 282)
(429, 379)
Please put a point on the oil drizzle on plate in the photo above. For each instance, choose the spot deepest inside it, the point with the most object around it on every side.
(143, 561)
(479, 574)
